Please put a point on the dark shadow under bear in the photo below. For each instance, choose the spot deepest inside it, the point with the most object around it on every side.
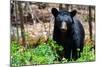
(68, 32)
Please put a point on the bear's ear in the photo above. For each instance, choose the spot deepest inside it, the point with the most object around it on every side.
(73, 13)
(54, 12)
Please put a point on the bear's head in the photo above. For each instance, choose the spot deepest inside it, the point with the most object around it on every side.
(63, 19)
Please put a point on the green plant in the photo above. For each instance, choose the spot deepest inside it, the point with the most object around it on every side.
(42, 54)
(87, 54)
(45, 53)
(15, 54)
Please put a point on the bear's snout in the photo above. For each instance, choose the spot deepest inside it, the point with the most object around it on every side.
(63, 27)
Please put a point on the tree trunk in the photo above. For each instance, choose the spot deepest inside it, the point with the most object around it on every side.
(67, 7)
(60, 6)
(21, 23)
(16, 15)
(90, 22)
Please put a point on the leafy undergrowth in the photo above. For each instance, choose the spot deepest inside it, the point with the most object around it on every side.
(45, 53)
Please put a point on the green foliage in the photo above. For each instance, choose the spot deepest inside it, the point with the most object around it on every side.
(15, 54)
(86, 18)
(44, 53)
(88, 54)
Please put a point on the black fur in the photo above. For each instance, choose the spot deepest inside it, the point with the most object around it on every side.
(72, 39)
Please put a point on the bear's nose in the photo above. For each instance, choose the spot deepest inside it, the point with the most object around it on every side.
(63, 26)
(63, 30)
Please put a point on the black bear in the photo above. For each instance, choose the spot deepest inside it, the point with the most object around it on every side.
(68, 32)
